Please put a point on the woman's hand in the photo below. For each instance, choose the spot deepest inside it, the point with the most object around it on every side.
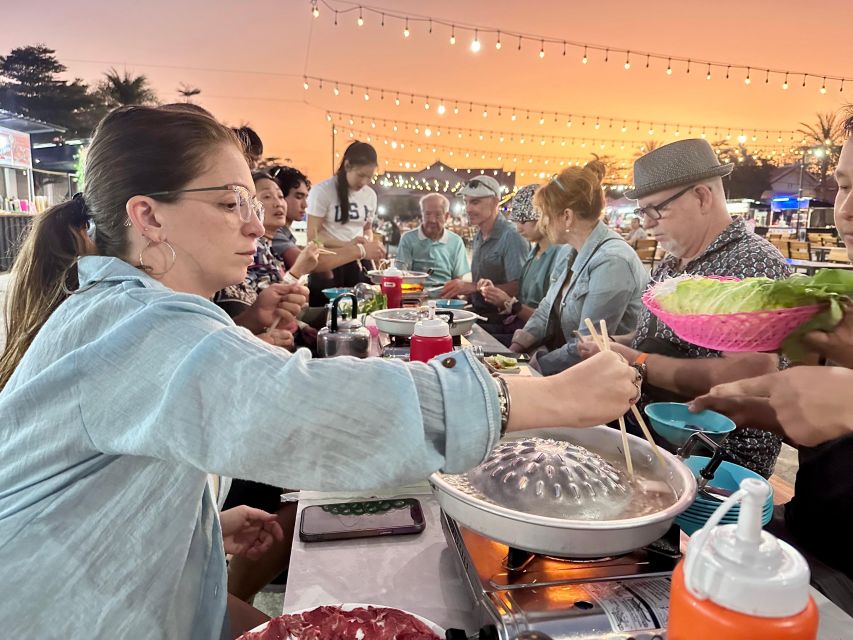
(278, 338)
(249, 532)
(810, 405)
(587, 348)
(307, 260)
(836, 344)
(591, 393)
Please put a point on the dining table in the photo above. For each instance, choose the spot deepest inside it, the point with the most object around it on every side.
(417, 573)
(811, 266)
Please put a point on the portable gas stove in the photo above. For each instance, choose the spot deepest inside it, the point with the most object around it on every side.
(400, 346)
(623, 597)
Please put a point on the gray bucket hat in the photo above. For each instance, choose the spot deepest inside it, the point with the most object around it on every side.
(674, 165)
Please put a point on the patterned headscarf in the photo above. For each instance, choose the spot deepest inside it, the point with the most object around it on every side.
(522, 209)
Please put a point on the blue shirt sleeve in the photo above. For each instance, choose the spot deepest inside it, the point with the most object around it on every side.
(218, 399)
(517, 250)
(460, 261)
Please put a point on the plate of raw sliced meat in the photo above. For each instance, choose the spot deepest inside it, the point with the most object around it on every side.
(347, 622)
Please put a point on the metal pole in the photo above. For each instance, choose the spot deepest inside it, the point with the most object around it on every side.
(333, 149)
(800, 191)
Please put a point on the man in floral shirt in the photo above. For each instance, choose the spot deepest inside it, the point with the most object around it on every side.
(682, 202)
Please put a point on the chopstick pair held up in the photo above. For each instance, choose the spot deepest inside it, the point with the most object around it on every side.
(603, 343)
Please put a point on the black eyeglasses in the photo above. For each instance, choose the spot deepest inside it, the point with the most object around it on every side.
(480, 183)
(653, 211)
(245, 204)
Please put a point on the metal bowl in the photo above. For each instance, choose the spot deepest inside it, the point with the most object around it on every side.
(409, 277)
(401, 322)
(576, 538)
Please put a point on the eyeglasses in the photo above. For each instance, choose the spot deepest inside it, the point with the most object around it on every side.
(245, 204)
(653, 211)
(480, 183)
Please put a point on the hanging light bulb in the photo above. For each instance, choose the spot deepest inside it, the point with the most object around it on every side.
(305, 85)
(406, 32)
(456, 109)
(315, 11)
(336, 91)
(360, 21)
(823, 86)
(397, 101)
(441, 109)
(542, 120)
(628, 60)
(485, 115)
(708, 77)
(366, 95)
(669, 67)
(475, 43)
(513, 117)
(785, 84)
(498, 44)
(426, 104)
(585, 58)
(541, 49)
(453, 34)
(747, 80)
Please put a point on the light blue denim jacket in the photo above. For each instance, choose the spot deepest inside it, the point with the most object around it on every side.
(131, 393)
(609, 288)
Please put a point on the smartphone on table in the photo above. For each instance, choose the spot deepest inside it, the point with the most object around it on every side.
(366, 519)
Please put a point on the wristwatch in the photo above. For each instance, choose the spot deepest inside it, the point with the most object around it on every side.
(640, 365)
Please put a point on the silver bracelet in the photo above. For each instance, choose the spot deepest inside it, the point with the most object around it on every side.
(503, 400)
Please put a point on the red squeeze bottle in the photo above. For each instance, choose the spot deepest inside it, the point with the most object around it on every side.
(391, 285)
(741, 583)
(431, 338)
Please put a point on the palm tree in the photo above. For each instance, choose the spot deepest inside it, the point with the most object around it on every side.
(188, 91)
(119, 90)
(828, 135)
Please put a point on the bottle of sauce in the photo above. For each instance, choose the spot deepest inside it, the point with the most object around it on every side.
(739, 582)
(431, 337)
(391, 285)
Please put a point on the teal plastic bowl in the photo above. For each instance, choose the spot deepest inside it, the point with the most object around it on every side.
(450, 304)
(674, 422)
(334, 292)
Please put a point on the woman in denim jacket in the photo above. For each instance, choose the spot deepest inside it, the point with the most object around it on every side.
(602, 278)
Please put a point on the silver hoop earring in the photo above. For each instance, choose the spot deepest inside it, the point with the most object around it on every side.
(147, 269)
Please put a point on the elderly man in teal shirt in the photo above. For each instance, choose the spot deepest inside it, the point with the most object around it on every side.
(431, 246)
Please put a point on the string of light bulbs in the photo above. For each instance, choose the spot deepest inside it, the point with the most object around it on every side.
(430, 130)
(710, 68)
(418, 146)
(442, 106)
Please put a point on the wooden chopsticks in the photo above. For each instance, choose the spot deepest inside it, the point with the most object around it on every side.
(603, 342)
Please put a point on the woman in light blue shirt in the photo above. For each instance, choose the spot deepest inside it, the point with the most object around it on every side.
(601, 278)
(118, 400)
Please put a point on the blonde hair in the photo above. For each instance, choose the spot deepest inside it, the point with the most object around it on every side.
(575, 188)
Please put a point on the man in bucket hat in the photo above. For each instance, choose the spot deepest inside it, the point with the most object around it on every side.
(681, 200)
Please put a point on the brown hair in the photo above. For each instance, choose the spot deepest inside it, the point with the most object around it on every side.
(134, 151)
(575, 188)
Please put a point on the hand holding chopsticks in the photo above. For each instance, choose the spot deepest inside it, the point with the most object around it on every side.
(603, 343)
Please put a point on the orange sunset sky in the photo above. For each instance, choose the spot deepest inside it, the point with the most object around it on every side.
(249, 57)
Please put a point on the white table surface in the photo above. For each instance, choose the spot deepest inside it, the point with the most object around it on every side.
(419, 574)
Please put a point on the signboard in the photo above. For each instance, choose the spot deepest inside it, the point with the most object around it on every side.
(15, 149)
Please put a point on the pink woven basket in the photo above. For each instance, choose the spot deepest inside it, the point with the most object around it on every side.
(746, 332)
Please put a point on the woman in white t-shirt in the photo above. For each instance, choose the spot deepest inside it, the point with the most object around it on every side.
(340, 212)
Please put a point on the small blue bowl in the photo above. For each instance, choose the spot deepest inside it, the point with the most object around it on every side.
(334, 292)
(452, 303)
(674, 422)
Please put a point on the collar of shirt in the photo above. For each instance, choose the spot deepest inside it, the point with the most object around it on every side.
(735, 232)
(94, 269)
(442, 239)
(599, 232)
(499, 228)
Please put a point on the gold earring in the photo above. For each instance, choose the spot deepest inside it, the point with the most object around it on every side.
(148, 269)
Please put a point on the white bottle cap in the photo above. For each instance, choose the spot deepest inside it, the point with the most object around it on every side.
(432, 327)
(742, 568)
